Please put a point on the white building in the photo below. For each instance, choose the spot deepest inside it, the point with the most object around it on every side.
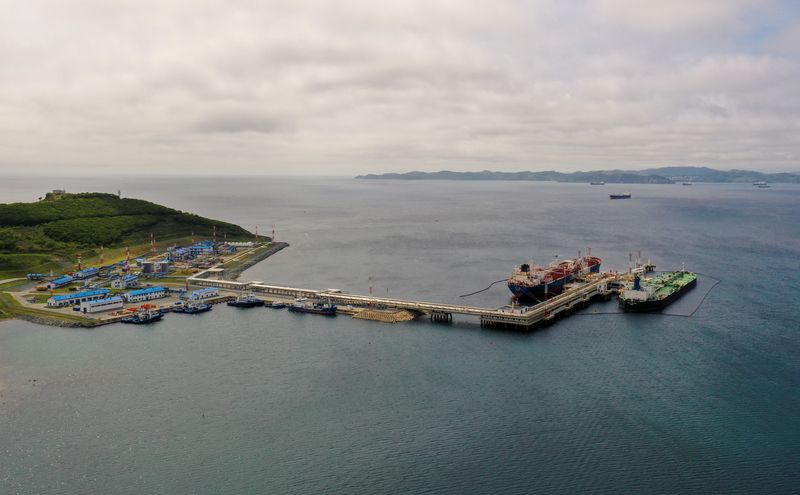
(72, 299)
(125, 282)
(147, 294)
(100, 305)
(204, 293)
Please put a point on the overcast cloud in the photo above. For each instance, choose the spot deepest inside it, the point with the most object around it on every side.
(357, 86)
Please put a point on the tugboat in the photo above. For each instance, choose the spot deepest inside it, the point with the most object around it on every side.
(533, 281)
(194, 308)
(246, 301)
(315, 307)
(625, 195)
(144, 314)
(656, 293)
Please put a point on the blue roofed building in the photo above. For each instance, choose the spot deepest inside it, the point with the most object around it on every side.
(62, 300)
(125, 282)
(85, 273)
(202, 247)
(59, 282)
(203, 293)
(147, 294)
(100, 305)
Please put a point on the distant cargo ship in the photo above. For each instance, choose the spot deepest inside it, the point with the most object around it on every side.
(626, 195)
(533, 281)
(657, 293)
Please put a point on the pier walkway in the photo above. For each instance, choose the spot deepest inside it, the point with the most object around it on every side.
(578, 295)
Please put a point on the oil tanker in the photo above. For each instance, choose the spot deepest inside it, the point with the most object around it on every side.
(657, 293)
(537, 282)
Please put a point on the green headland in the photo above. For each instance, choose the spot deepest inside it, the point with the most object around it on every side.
(50, 233)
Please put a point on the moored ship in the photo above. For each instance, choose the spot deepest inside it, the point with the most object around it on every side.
(246, 301)
(656, 293)
(314, 307)
(537, 282)
(144, 315)
(193, 308)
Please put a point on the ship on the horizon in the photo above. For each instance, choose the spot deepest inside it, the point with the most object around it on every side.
(537, 282)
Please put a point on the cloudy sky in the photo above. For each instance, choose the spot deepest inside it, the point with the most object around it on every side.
(336, 88)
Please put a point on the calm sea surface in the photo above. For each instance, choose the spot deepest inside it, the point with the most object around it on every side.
(264, 401)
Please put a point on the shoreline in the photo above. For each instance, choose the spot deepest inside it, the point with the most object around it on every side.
(15, 310)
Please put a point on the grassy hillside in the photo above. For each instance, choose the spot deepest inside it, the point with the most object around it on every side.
(48, 233)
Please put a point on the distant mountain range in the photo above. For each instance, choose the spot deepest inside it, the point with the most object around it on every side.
(663, 175)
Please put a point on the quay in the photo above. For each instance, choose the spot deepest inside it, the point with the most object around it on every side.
(577, 295)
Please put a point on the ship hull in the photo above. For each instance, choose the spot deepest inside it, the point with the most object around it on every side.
(655, 304)
(539, 291)
(315, 311)
(246, 304)
(142, 321)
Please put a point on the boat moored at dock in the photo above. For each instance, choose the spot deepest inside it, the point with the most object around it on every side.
(246, 301)
(305, 305)
(193, 308)
(533, 281)
(657, 293)
(144, 315)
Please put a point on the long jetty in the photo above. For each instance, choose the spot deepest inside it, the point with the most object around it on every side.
(577, 295)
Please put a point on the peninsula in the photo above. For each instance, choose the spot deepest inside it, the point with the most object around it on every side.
(48, 234)
(663, 175)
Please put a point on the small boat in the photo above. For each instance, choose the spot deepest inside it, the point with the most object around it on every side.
(143, 316)
(246, 301)
(763, 186)
(759, 183)
(194, 308)
(315, 307)
(687, 183)
(597, 183)
(275, 305)
(626, 195)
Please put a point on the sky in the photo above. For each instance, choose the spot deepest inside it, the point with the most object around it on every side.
(361, 86)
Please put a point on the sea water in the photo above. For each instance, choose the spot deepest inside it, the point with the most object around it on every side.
(265, 401)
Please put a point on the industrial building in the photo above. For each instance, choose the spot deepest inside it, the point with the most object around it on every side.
(85, 273)
(59, 282)
(204, 293)
(147, 294)
(72, 299)
(179, 254)
(201, 248)
(100, 305)
(125, 282)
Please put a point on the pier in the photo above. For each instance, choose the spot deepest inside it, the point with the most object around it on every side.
(577, 295)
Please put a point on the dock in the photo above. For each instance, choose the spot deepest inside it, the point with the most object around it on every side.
(577, 295)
